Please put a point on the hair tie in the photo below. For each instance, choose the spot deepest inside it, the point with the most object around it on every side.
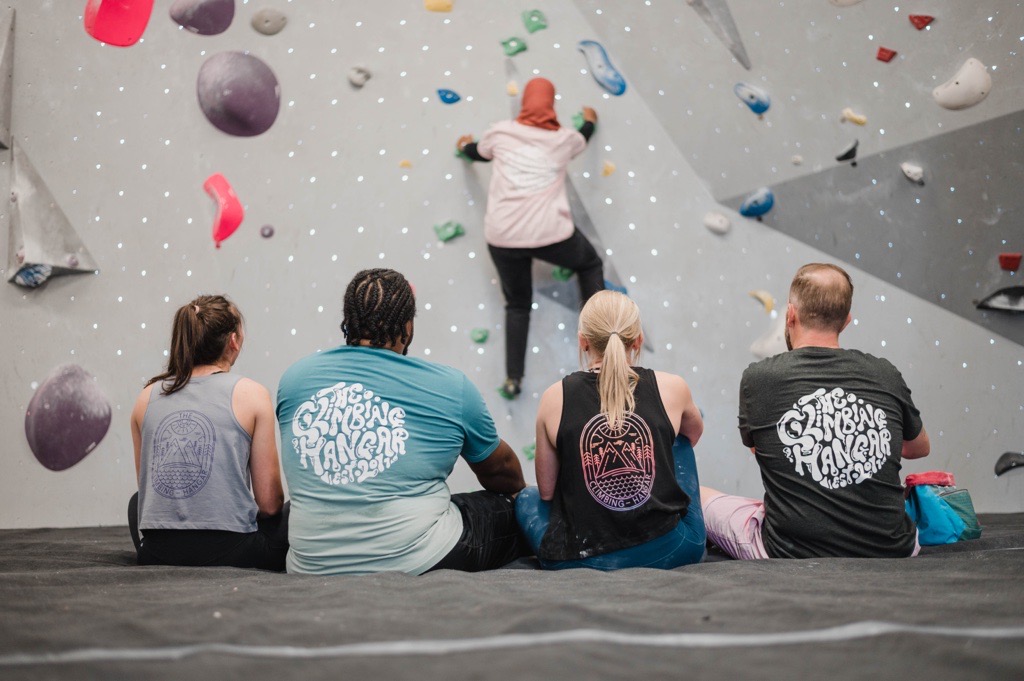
(614, 333)
(197, 308)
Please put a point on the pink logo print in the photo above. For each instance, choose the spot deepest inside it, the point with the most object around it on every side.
(618, 466)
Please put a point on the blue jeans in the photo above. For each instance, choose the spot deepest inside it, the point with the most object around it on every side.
(683, 545)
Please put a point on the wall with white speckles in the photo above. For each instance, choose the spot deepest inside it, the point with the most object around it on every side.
(120, 140)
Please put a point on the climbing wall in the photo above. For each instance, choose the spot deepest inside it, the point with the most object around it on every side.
(347, 177)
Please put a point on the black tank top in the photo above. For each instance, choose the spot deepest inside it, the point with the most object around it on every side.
(614, 489)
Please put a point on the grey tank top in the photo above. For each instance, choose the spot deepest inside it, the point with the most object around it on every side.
(194, 467)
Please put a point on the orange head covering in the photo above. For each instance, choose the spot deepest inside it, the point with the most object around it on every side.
(538, 107)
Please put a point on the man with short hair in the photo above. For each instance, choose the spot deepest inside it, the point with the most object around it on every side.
(369, 437)
(829, 428)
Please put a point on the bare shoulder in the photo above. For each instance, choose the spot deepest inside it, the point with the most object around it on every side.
(142, 402)
(671, 382)
(251, 391)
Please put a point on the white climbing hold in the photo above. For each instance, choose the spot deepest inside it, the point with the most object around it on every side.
(358, 75)
(914, 172)
(773, 342)
(716, 222)
(849, 115)
(970, 85)
(797, 159)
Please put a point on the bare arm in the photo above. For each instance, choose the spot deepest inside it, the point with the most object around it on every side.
(919, 447)
(255, 411)
(138, 413)
(679, 404)
(549, 414)
(500, 472)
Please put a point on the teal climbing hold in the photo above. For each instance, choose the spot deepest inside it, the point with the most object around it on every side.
(530, 452)
(513, 46)
(562, 274)
(479, 335)
(449, 230)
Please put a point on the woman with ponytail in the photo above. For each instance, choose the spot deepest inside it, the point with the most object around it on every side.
(206, 453)
(617, 481)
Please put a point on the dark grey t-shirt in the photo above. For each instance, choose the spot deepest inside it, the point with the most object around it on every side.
(828, 425)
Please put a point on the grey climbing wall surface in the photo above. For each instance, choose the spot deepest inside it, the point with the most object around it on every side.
(356, 177)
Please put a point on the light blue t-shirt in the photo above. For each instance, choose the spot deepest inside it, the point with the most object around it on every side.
(368, 439)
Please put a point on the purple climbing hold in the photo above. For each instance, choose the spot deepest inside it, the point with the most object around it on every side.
(205, 17)
(66, 418)
(267, 231)
(238, 93)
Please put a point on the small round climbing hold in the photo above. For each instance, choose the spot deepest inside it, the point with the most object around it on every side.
(716, 222)
(479, 335)
(269, 21)
(358, 75)
(267, 231)
(205, 17)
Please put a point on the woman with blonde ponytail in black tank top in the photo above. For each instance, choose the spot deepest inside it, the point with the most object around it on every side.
(206, 453)
(617, 481)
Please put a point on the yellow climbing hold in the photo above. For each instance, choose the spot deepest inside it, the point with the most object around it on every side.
(512, 88)
(405, 163)
(608, 168)
(853, 117)
(765, 299)
(438, 5)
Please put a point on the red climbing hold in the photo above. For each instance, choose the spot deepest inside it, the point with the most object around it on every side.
(885, 54)
(1010, 261)
(229, 208)
(920, 20)
(117, 22)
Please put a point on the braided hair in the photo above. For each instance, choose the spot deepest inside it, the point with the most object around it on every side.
(379, 304)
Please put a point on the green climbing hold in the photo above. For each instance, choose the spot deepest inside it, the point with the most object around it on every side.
(534, 20)
(449, 230)
(530, 452)
(577, 120)
(479, 335)
(513, 46)
(562, 274)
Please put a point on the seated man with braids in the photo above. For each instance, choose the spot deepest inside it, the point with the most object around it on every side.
(369, 437)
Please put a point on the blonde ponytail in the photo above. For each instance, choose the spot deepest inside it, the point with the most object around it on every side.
(610, 323)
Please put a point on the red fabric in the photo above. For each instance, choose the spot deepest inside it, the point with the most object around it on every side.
(538, 107)
(939, 478)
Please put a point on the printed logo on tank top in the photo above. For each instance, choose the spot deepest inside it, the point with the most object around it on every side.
(529, 169)
(183, 450)
(835, 437)
(618, 466)
(346, 433)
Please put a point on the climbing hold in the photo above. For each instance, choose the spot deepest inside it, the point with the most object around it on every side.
(117, 22)
(577, 120)
(512, 88)
(438, 5)
(601, 68)
(267, 231)
(448, 96)
(754, 97)
(479, 335)
(358, 75)
(229, 208)
(765, 299)
(66, 418)
(534, 20)
(773, 341)
(448, 230)
(238, 93)
(849, 115)
(607, 168)
(6, 78)
(612, 286)
(717, 222)
(1009, 299)
(269, 21)
(920, 20)
(562, 274)
(513, 46)
(796, 159)
(885, 54)
(849, 153)
(405, 163)
(970, 85)
(530, 451)
(914, 173)
(758, 203)
(205, 17)
(42, 241)
(1009, 461)
(1010, 261)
